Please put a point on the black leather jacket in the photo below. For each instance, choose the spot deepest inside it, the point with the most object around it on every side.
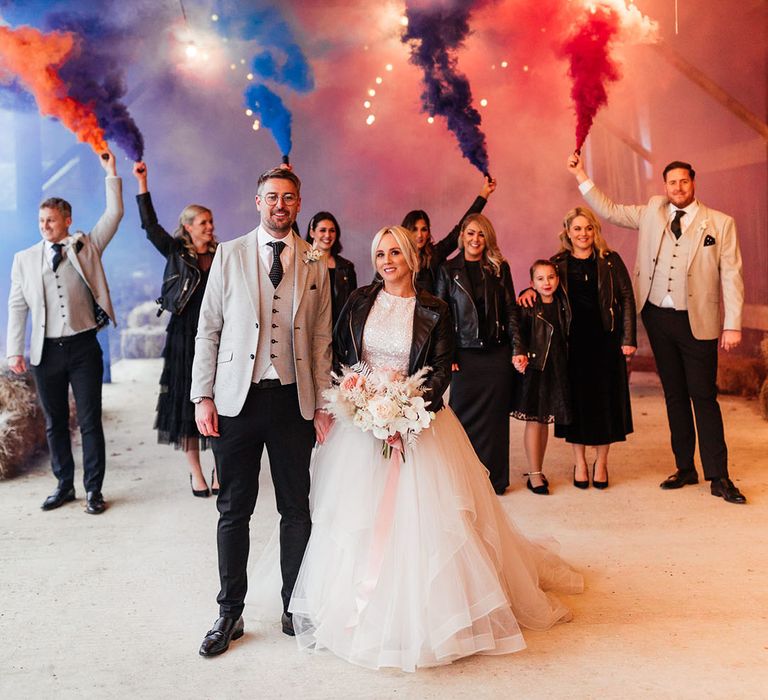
(614, 291)
(181, 275)
(501, 312)
(536, 332)
(345, 282)
(431, 346)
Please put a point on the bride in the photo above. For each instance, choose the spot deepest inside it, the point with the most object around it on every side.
(452, 575)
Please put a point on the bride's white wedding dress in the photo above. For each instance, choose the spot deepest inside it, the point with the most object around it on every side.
(452, 577)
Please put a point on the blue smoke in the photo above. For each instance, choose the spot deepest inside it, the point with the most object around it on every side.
(274, 115)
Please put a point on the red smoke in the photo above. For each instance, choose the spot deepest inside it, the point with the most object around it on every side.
(591, 67)
(33, 57)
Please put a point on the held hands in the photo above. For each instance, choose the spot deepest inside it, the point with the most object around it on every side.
(109, 164)
(730, 340)
(16, 364)
(207, 418)
(520, 363)
(488, 188)
(323, 425)
(628, 350)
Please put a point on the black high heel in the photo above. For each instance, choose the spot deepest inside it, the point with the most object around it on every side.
(579, 484)
(214, 491)
(599, 484)
(204, 493)
(542, 490)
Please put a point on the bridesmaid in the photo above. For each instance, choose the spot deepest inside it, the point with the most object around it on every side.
(477, 284)
(431, 254)
(188, 253)
(324, 233)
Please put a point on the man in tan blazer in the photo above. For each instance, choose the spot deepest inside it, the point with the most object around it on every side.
(61, 281)
(262, 361)
(687, 256)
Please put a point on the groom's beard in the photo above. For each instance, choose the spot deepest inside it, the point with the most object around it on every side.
(282, 225)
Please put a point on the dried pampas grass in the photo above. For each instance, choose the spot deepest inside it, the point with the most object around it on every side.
(22, 426)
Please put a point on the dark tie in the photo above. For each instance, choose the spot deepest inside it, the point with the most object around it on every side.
(276, 271)
(675, 225)
(57, 256)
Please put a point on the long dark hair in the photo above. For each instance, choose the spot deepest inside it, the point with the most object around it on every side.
(322, 216)
(409, 222)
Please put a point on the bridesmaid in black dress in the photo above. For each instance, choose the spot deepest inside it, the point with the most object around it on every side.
(189, 253)
(477, 285)
(602, 335)
(324, 233)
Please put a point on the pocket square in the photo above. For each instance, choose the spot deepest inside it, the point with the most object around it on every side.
(314, 286)
(708, 240)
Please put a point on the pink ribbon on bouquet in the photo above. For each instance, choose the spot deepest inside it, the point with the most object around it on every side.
(382, 529)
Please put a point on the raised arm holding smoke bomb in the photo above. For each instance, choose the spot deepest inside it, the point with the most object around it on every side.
(431, 254)
(61, 282)
(680, 307)
(188, 253)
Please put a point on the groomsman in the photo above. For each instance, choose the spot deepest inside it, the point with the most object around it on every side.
(687, 257)
(61, 281)
(262, 361)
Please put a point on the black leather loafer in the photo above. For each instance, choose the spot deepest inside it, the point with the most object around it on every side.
(287, 621)
(94, 503)
(59, 497)
(725, 489)
(224, 631)
(680, 479)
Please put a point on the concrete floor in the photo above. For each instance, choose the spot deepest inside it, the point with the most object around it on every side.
(676, 604)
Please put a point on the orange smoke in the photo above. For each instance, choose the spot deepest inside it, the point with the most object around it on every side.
(33, 57)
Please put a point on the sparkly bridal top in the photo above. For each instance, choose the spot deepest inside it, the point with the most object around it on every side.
(388, 333)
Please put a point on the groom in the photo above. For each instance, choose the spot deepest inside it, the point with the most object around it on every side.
(262, 361)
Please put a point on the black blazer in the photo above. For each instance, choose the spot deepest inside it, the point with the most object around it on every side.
(501, 312)
(182, 274)
(431, 346)
(614, 292)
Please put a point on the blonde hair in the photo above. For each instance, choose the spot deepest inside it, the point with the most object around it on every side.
(492, 255)
(599, 245)
(404, 239)
(186, 218)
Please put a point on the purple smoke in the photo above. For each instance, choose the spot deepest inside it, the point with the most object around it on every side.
(95, 75)
(435, 31)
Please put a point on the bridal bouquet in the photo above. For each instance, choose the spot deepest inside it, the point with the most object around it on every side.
(382, 402)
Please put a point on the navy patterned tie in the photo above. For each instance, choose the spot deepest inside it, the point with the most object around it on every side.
(675, 225)
(276, 271)
(57, 256)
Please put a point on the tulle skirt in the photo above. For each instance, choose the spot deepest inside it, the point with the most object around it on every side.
(418, 566)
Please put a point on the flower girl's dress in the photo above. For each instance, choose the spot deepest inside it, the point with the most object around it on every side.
(420, 567)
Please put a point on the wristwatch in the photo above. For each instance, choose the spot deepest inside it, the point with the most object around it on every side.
(199, 399)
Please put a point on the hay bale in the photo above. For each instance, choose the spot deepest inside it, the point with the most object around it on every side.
(144, 336)
(742, 376)
(22, 424)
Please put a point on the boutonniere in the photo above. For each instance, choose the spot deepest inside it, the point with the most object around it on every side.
(312, 256)
(703, 226)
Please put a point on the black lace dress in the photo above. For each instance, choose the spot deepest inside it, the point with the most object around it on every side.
(175, 420)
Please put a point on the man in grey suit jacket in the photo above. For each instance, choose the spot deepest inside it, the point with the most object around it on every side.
(262, 361)
(61, 281)
(687, 256)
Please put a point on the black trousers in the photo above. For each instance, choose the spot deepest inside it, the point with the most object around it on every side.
(688, 371)
(271, 417)
(75, 361)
